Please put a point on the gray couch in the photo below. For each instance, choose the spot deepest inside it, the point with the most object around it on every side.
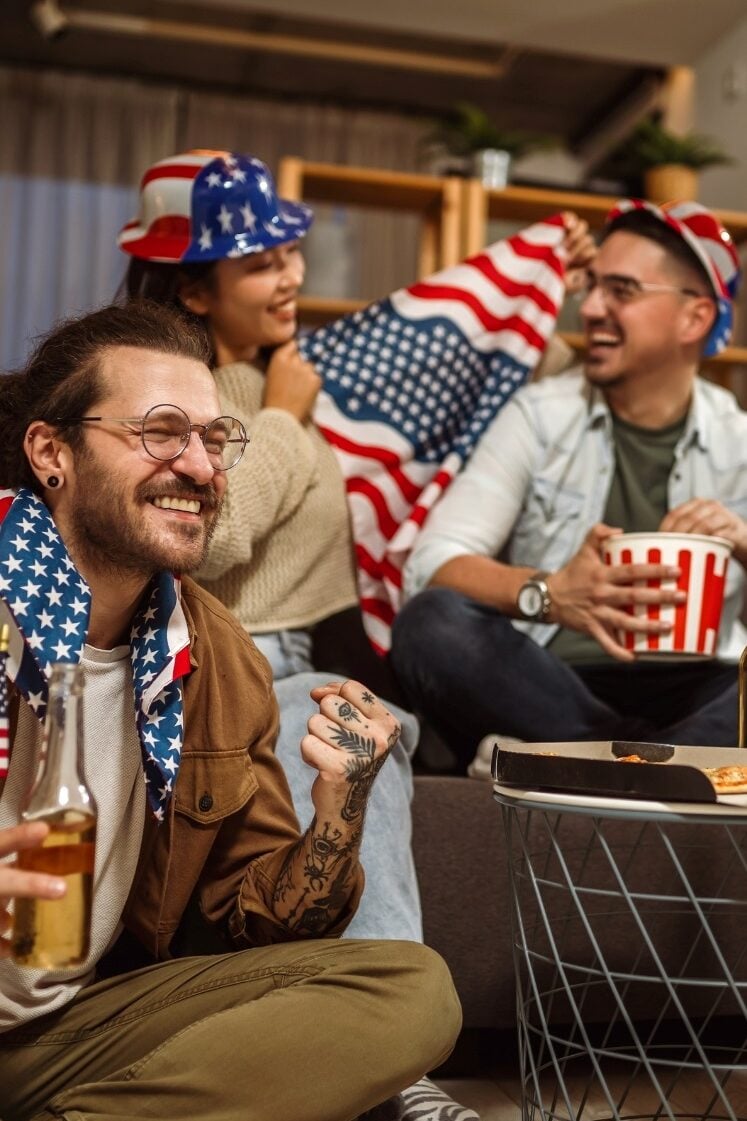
(459, 850)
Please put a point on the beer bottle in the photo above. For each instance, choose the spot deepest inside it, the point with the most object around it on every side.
(55, 933)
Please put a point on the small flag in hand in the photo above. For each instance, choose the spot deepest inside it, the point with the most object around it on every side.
(4, 728)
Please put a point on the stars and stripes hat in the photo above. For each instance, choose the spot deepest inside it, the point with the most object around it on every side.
(204, 206)
(713, 247)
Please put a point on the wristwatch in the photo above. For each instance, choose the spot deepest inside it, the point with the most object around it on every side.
(534, 601)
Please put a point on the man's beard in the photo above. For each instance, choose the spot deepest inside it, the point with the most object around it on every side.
(107, 533)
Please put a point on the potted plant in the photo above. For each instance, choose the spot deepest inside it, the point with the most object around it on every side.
(468, 142)
(669, 163)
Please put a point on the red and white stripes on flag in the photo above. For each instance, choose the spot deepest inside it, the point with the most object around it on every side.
(4, 726)
(412, 382)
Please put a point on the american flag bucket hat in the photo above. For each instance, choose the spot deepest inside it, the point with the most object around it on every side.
(204, 206)
(714, 248)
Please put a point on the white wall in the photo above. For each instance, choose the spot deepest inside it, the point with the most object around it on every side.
(721, 111)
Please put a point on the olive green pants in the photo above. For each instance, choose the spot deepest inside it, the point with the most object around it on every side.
(304, 1031)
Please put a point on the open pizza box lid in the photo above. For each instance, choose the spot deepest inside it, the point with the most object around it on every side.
(668, 773)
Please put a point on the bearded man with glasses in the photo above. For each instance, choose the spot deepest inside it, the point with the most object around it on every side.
(116, 462)
(511, 605)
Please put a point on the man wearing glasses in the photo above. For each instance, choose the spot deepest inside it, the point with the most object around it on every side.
(520, 615)
(116, 464)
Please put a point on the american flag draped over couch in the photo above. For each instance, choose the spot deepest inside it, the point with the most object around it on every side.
(411, 383)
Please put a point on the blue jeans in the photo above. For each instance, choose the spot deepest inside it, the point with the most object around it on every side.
(390, 905)
(468, 671)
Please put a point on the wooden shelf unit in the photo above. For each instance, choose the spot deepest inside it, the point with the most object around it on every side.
(437, 200)
(528, 204)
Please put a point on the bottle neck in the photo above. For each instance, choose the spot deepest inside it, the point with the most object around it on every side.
(60, 785)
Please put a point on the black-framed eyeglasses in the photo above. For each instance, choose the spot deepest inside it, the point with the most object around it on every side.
(165, 431)
(617, 289)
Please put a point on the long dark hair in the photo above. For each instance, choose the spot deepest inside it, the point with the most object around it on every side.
(162, 283)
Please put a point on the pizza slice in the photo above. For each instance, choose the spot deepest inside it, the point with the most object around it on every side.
(727, 780)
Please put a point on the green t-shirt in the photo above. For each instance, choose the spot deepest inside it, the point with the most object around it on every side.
(637, 502)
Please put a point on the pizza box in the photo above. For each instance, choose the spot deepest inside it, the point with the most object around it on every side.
(593, 768)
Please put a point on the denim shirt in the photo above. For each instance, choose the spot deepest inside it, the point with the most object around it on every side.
(541, 475)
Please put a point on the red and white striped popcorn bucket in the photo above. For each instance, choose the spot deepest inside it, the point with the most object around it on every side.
(702, 562)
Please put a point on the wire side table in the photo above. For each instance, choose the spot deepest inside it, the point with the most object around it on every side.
(630, 950)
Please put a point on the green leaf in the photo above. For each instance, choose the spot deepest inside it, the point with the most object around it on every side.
(468, 128)
(651, 145)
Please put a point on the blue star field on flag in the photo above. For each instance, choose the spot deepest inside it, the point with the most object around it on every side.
(424, 380)
(410, 384)
(47, 604)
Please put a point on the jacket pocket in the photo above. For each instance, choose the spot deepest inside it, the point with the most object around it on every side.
(212, 785)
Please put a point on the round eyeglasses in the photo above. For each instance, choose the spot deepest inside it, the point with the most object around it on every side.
(165, 431)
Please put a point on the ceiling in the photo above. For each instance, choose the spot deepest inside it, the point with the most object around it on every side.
(655, 32)
(518, 59)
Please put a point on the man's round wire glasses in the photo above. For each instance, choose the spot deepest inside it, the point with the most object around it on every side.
(165, 431)
(617, 289)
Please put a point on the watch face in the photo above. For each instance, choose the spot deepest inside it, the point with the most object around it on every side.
(530, 600)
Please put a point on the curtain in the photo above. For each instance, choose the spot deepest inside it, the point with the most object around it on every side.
(72, 149)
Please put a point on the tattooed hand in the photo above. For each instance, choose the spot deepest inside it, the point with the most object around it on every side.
(348, 742)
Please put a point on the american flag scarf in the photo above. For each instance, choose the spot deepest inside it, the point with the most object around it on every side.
(47, 604)
(412, 382)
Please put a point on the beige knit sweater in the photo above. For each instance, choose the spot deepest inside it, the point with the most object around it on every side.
(282, 555)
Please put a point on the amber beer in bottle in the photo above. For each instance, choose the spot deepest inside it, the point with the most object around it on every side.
(55, 933)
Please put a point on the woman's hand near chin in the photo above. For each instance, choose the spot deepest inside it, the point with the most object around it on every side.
(291, 383)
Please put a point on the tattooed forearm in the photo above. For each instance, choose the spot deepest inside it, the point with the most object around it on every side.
(315, 881)
(327, 850)
(360, 777)
(348, 744)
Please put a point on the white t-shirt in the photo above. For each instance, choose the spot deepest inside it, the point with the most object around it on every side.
(114, 775)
